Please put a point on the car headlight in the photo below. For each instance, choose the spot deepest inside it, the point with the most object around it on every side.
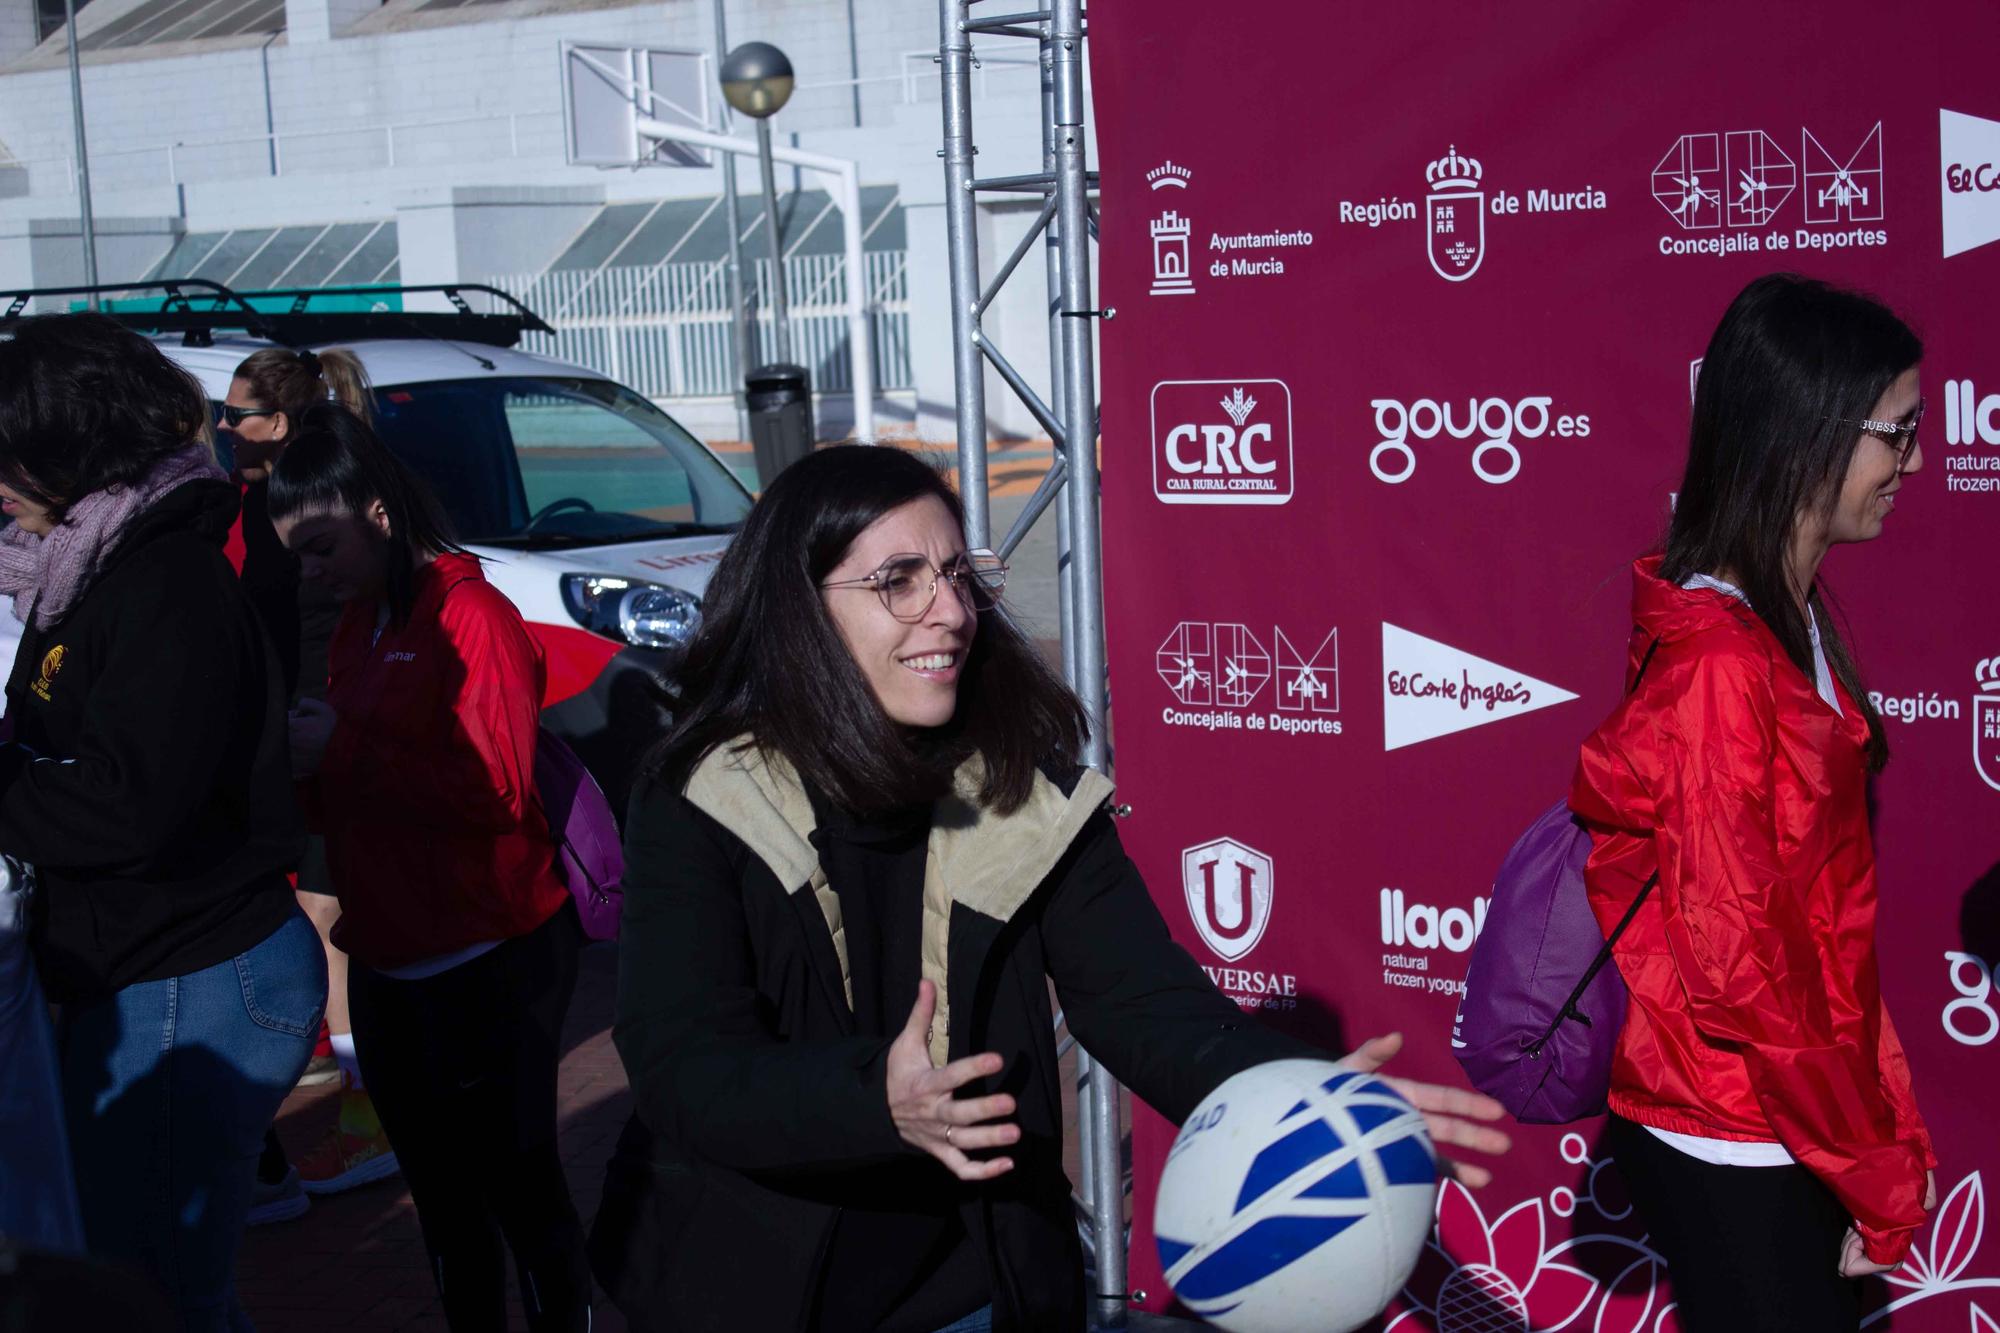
(645, 615)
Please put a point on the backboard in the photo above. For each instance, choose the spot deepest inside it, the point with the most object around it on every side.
(608, 89)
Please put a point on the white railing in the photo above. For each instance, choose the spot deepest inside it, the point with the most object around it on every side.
(536, 134)
(664, 329)
(526, 134)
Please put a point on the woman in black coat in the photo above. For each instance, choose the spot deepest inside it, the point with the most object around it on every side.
(856, 865)
(148, 782)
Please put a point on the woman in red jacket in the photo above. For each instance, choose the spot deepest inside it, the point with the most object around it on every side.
(1761, 1107)
(462, 938)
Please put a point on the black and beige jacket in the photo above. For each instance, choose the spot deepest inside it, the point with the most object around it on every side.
(760, 1113)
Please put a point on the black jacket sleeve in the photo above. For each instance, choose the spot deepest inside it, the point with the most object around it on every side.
(1132, 996)
(707, 1067)
(159, 721)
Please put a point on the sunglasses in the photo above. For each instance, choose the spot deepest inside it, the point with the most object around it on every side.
(228, 414)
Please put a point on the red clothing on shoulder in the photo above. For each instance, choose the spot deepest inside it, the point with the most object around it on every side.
(434, 836)
(1756, 1002)
(233, 547)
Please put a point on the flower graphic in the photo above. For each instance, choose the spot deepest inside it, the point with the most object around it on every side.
(1476, 1278)
(1939, 1269)
(1955, 1234)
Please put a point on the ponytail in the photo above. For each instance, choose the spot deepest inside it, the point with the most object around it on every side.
(293, 382)
(346, 382)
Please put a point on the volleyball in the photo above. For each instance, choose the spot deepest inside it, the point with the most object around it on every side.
(1296, 1197)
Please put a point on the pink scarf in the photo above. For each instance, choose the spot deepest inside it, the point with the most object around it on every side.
(59, 567)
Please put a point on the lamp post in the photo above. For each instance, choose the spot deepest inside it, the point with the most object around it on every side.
(739, 324)
(757, 81)
(89, 223)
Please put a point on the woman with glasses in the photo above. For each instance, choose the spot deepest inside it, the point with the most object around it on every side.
(1761, 1106)
(852, 872)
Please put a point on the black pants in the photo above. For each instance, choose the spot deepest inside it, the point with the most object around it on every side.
(462, 1068)
(1751, 1249)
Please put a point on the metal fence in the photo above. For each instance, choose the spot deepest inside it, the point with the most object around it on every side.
(664, 329)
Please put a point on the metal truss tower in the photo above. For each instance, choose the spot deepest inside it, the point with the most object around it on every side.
(1066, 226)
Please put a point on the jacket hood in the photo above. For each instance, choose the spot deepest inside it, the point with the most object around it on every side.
(1670, 613)
(205, 507)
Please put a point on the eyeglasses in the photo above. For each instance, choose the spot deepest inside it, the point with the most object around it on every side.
(228, 414)
(1901, 438)
(907, 584)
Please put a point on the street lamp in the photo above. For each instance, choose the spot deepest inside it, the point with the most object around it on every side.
(88, 222)
(757, 81)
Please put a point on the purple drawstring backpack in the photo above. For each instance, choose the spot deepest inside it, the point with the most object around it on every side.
(589, 856)
(1539, 1021)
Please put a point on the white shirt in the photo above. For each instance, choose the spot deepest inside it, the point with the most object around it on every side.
(445, 962)
(1736, 1152)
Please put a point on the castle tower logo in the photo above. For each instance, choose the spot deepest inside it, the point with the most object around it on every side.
(1173, 271)
(1455, 216)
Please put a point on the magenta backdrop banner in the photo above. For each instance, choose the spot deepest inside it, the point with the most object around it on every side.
(1409, 300)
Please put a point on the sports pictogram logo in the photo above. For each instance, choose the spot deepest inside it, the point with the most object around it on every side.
(1743, 179)
(1844, 189)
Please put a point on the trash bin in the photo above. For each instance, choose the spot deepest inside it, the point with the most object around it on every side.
(781, 417)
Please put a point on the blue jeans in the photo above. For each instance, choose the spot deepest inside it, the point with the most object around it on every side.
(979, 1321)
(37, 1195)
(168, 1088)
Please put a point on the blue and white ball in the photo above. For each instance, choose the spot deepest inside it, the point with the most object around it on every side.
(1297, 1197)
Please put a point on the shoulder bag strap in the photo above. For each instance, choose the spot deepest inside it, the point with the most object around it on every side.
(1569, 1009)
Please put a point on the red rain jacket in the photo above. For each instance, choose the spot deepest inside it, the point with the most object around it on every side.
(434, 836)
(1756, 1005)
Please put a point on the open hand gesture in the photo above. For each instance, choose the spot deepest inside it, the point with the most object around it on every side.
(1449, 1113)
(926, 1113)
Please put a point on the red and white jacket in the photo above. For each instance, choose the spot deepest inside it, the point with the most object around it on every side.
(434, 835)
(1756, 1004)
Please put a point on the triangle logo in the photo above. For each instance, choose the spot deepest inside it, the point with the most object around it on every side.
(1431, 689)
(1968, 181)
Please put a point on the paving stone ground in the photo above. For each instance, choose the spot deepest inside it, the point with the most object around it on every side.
(356, 1261)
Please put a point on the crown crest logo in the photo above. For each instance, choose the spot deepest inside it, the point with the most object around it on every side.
(1987, 673)
(1238, 406)
(1454, 171)
(1168, 174)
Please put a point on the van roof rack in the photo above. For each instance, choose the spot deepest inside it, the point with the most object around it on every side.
(197, 309)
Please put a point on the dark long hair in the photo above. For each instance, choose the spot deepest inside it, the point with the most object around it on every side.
(87, 404)
(1792, 365)
(768, 660)
(337, 464)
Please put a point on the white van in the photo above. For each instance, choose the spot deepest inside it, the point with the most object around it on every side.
(595, 512)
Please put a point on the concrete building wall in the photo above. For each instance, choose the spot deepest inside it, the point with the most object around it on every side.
(327, 98)
(17, 29)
